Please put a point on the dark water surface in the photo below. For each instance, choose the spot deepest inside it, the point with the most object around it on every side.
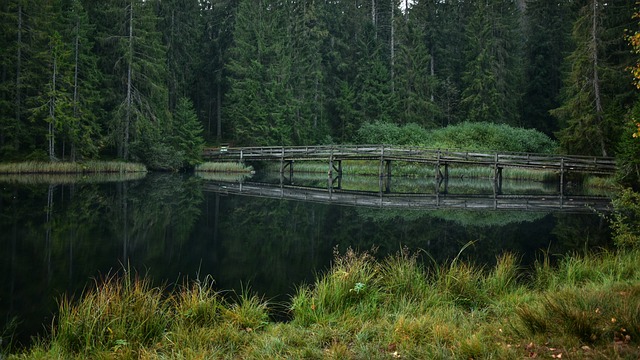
(57, 239)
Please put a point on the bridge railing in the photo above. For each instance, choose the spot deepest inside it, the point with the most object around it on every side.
(417, 154)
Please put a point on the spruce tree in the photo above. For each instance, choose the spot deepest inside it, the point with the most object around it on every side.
(548, 25)
(585, 127)
(492, 79)
(187, 133)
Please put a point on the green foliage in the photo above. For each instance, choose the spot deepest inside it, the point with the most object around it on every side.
(391, 134)
(488, 136)
(492, 79)
(188, 139)
(628, 152)
(472, 136)
(626, 219)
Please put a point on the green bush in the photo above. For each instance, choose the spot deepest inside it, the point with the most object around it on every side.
(626, 219)
(488, 136)
(468, 136)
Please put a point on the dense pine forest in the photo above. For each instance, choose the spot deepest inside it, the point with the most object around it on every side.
(151, 80)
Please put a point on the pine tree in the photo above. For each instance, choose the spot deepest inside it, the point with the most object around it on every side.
(181, 26)
(188, 140)
(415, 81)
(10, 27)
(135, 61)
(492, 78)
(591, 109)
(83, 131)
(213, 53)
(548, 25)
(259, 104)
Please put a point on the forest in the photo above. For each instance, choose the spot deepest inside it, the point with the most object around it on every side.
(153, 80)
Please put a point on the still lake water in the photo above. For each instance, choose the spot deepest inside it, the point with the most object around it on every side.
(58, 235)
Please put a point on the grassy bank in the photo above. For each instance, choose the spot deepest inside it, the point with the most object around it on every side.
(224, 167)
(37, 167)
(362, 308)
(70, 178)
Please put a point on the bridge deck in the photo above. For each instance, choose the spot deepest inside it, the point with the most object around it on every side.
(385, 153)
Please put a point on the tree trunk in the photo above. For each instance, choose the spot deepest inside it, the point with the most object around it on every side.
(52, 107)
(596, 77)
(16, 139)
(373, 12)
(75, 84)
(392, 2)
(127, 123)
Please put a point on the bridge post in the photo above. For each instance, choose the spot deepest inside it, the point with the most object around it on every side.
(381, 167)
(561, 177)
(282, 161)
(330, 173)
(388, 167)
(438, 172)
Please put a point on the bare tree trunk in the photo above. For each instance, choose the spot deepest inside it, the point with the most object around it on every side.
(596, 77)
(129, 101)
(75, 84)
(392, 45)
(219, 97)
(373, 12)
(52, 108)
(16, 139)
(432, 70)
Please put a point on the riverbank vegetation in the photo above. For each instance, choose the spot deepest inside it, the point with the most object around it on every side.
(224, 167)
(398, 307)
(43, 167)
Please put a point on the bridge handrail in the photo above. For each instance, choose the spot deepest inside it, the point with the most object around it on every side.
(424, 153)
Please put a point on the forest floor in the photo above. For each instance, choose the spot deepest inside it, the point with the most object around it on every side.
(583, 307)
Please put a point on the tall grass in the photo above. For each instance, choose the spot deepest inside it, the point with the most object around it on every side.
(119, 314)
(71, 178)
(36, 167)
(397, 307)
(224, 167)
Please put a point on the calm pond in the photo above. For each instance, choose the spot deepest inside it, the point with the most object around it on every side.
(57, 235)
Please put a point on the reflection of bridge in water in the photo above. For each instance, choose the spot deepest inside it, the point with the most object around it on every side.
(383, 199)
(385, 155)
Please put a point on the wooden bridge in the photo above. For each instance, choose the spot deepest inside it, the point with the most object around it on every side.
(478, 202)
(333, 155)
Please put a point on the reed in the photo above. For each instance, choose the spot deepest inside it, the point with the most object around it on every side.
(34, 167)
(223, 167)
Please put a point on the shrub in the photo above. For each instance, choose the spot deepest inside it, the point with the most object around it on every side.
(626, 219)
(489, 136)
(472, 136)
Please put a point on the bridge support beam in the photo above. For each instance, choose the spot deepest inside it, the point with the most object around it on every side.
(284, 164)
(439, 174)
(497, 180)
